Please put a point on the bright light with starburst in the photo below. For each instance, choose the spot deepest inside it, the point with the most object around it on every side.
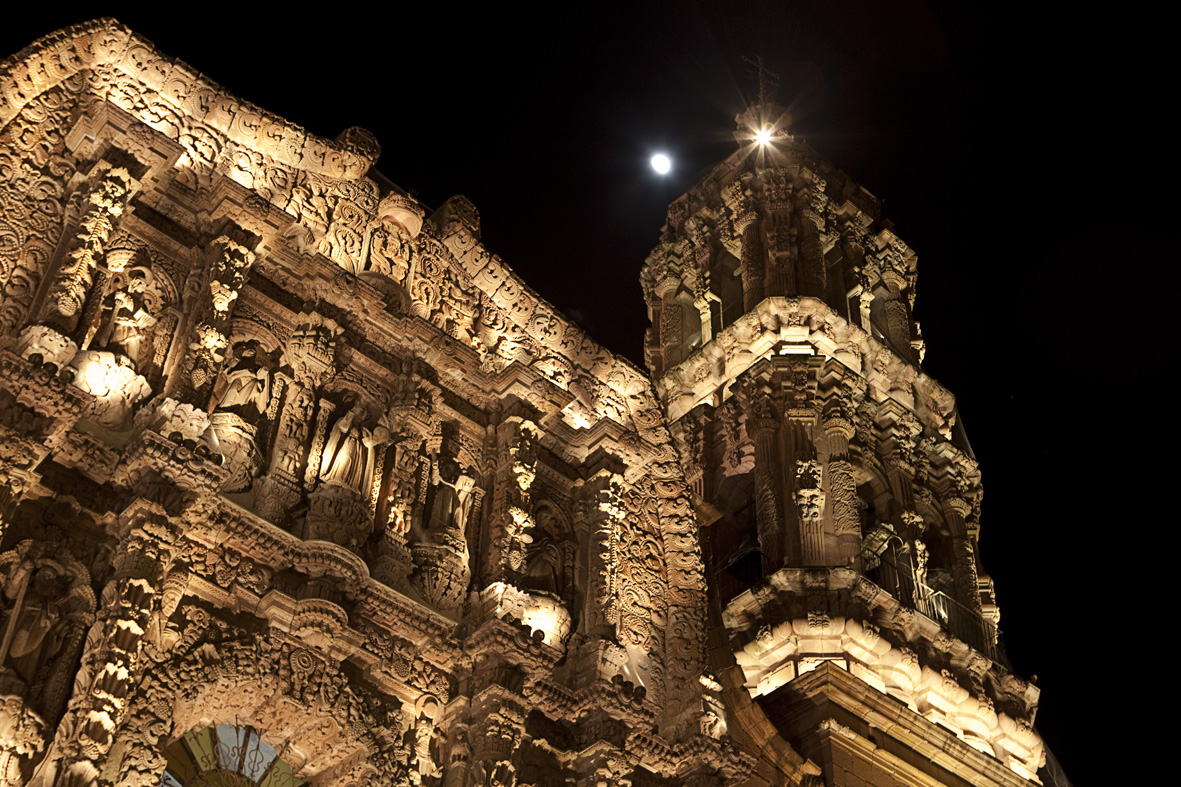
(763, 136)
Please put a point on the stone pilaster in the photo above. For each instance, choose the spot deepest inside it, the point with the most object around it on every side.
(812, 276)
(763, 424)
(512, 513)
(753, 259)
(781, 236)
(842, 487)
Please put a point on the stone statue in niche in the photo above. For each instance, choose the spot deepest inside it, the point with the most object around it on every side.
(453, 495)
(441, 556)
(125, 322)
(31, 633)
(48, 605)
(349, 452)
(236, 418)
(248, 385)
(340, 509)
(543, 568)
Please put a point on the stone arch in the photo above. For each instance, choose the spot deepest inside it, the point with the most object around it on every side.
(245, 330)
(734, 538)
(330, 727)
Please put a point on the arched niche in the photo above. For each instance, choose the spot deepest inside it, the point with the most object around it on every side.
(326, 729)
(734, 538)
(726, 284)
(549, 564)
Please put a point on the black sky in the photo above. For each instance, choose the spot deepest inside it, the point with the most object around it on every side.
(989, 136)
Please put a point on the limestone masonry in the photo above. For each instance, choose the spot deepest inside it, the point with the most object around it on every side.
(300, 484)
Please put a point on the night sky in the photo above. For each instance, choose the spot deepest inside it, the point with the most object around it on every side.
(994, 141)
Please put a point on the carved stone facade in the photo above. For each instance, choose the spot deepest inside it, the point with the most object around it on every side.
(299, 481)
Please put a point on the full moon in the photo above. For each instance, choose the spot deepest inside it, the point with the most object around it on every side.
(662, 164)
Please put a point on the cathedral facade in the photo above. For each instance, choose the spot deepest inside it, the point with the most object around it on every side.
(301, 484)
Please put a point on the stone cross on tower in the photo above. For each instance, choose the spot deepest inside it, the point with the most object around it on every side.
(765, 77)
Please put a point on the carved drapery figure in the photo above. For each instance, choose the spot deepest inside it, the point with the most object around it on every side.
(245, 398)
(125, 322)
(31, 633)
(441, 554)
(347, 460)
(453, 493)
(248, 385)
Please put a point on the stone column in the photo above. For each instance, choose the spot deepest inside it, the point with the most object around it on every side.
(498, 726)
(781, 237)
(753, 259)
(209, 337)
(311, 351)
(73, 283)
(812, 271)
(702, 301)
(603, 554)
(896, 313)
(842, 487)
(763, 423)
(963, 554)
(672, 327)
(144, 735)
(702, 251)
(512, 512)
(112, 654)
(810, 500)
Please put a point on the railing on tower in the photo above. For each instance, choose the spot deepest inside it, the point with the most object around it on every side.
(891, 570)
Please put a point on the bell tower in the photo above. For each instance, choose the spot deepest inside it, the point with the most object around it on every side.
(838, 496)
